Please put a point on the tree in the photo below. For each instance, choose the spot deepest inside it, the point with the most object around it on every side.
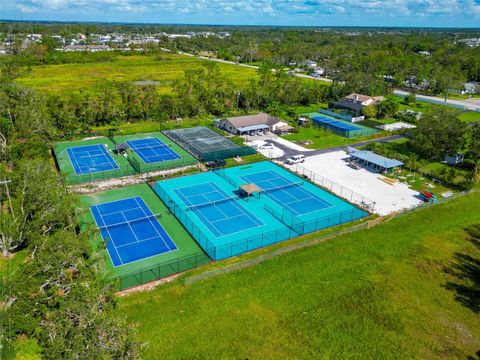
(369, 111)
(386, 108)
(439, 132)
(473, 147)
(36, 206)
(410, 99)
(57, 296)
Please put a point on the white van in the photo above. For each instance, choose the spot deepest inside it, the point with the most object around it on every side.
(296, 159)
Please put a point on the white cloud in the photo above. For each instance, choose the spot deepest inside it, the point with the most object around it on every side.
(368, 10)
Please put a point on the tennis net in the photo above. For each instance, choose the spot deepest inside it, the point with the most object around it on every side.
(283, 187)
(145, 219)
(152, 147)
(212, 203)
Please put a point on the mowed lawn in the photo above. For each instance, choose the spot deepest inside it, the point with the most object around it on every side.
(383, 293)
(74, 77)
(321, 138)
(470, 116)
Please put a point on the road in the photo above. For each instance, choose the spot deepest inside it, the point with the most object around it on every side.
(245, 65)
(472, 104)
(290, 152)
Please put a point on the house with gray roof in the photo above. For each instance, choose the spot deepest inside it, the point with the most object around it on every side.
(248, 124)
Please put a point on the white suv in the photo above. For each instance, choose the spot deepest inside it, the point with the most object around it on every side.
(296, 159)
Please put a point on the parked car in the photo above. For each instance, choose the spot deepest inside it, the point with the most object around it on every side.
(296, 159)
(215, 164)
(266, 146)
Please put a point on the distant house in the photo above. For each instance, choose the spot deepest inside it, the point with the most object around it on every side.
(425, 53)
(317, 71)
(454, 159)
(470, 88)
(309, 63)
(413, 83)
(248, 124)
(354, 103)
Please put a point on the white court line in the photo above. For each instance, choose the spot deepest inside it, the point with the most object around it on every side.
(70, 152)
(85, 169)
(159, 145)
(156, 230)
(244, 212)
(110, 236)
(131, 229)
(117, 247)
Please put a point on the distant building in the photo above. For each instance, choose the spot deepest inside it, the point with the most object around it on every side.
(413, 83)
(223, 34)
(249, 124)
(425, 53)
(309, 63)
(454, 159)
(471, 42)
(88, 48)
(470, 88)
(317, 71)
(353, 103)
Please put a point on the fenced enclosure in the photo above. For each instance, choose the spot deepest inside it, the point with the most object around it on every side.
(206, 144)
(142, 167)
(280, 220)
(159, 271)
(335, 188)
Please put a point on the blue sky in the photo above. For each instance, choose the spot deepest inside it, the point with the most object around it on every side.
(442, 13)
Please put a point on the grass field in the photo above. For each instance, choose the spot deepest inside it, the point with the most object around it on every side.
(403, 289)
(322, 138)
(68, 78)
(470, 116)
(466, 116)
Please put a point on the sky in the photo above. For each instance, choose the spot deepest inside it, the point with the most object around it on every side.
(414, 13)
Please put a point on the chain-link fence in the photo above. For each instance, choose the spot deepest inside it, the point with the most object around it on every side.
(335, 188)
(160, 270)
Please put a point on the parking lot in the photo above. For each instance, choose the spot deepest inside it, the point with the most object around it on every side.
(388, 197)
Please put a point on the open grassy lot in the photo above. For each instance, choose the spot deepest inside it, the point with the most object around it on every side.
(68, 78)
(470, 116)
(321, 138)
(404, 289)
(466, 116)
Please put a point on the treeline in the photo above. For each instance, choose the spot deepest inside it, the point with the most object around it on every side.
(439, 133)
(202, 91)
(373, 61)
(57, 302)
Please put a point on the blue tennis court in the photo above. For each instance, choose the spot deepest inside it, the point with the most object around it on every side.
(152, 150)
(332, 123)
(90, 159)
(130, 230)
(287, 194)
(218, 211)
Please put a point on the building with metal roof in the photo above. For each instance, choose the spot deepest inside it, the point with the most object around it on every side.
(373, 161)
(247, 124)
